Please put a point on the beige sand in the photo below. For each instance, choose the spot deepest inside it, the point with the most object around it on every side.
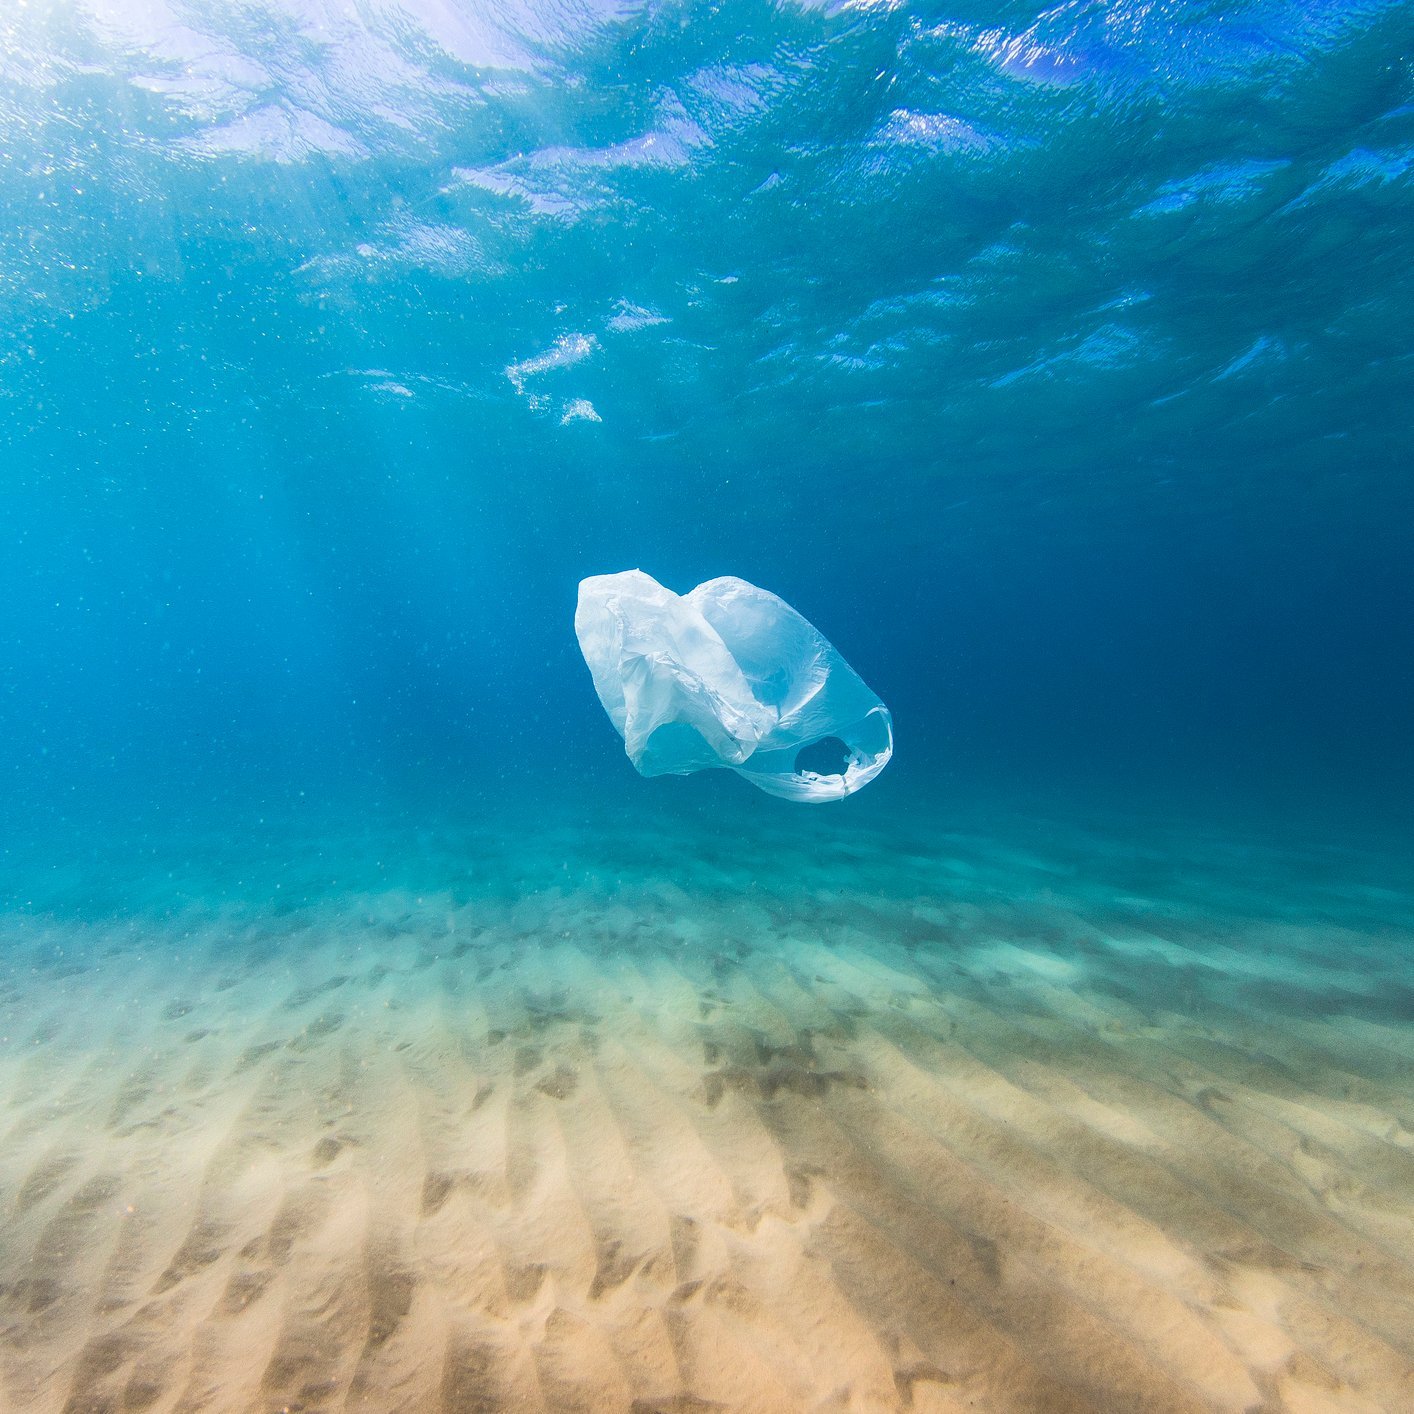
(630, 1148)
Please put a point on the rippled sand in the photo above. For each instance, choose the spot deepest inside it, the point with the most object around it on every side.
(956, 1123)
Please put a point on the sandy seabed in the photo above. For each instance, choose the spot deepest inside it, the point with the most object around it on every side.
(621, 1121)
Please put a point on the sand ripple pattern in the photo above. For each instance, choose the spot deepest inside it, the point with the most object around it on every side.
(1060, 1127)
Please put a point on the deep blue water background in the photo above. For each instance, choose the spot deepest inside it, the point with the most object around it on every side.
(1056, 364)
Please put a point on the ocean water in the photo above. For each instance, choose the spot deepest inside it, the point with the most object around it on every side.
(373, 1037)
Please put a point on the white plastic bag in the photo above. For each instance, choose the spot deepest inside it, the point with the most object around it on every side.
(729, 675)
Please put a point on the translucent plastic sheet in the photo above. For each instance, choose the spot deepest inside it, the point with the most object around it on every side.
(729, 675)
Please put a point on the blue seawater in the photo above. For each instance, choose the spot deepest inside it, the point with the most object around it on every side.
(1055, 363)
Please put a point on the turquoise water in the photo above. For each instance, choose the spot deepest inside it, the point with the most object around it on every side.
(372, 1036)
(1052, 363)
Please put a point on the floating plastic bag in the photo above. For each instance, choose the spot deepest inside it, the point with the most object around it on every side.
(729, 675)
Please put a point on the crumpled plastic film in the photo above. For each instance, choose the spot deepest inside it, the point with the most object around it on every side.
(729, 675)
